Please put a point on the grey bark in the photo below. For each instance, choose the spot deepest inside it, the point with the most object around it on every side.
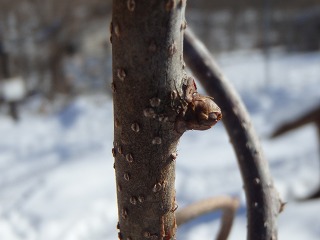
(147, 70)
(263, 202)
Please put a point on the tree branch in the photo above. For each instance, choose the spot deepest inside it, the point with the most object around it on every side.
(309, 117)
(155, 102)
(147, 67)
(312, 116)
(227, 204)
(263, 202)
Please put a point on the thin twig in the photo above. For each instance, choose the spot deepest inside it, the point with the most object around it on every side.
(312, 116)
(227, 204)
(263, 202)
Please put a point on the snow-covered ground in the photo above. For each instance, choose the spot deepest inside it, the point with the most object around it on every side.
(57, 180)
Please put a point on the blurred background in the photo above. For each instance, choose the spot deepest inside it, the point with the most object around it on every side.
(56, 120)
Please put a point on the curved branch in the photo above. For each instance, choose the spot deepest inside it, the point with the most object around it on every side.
(263, 202)
(227, 204)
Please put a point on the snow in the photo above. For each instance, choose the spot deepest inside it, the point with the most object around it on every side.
(57, 179)
(12, 89)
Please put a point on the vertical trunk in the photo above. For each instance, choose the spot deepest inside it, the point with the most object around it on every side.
(147, 69)
(59, 82)
(4, 75)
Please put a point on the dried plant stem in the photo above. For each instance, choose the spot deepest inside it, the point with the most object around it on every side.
(263, 202)
(227, 204)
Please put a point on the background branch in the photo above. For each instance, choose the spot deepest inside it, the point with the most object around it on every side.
(227, 204)
(312, 116)
(263, 202)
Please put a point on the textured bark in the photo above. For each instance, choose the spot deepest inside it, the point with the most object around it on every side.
(227, 204)
(147, 58)
(263, 202)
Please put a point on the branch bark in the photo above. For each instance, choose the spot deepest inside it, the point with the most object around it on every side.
(147, 69)
(263, 202)
(227, 204)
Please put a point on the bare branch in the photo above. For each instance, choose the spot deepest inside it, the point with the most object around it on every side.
(312, 116)
(309, 117)
(263, 202)
(227, 204)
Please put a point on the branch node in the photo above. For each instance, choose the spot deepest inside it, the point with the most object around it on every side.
(199, 112)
